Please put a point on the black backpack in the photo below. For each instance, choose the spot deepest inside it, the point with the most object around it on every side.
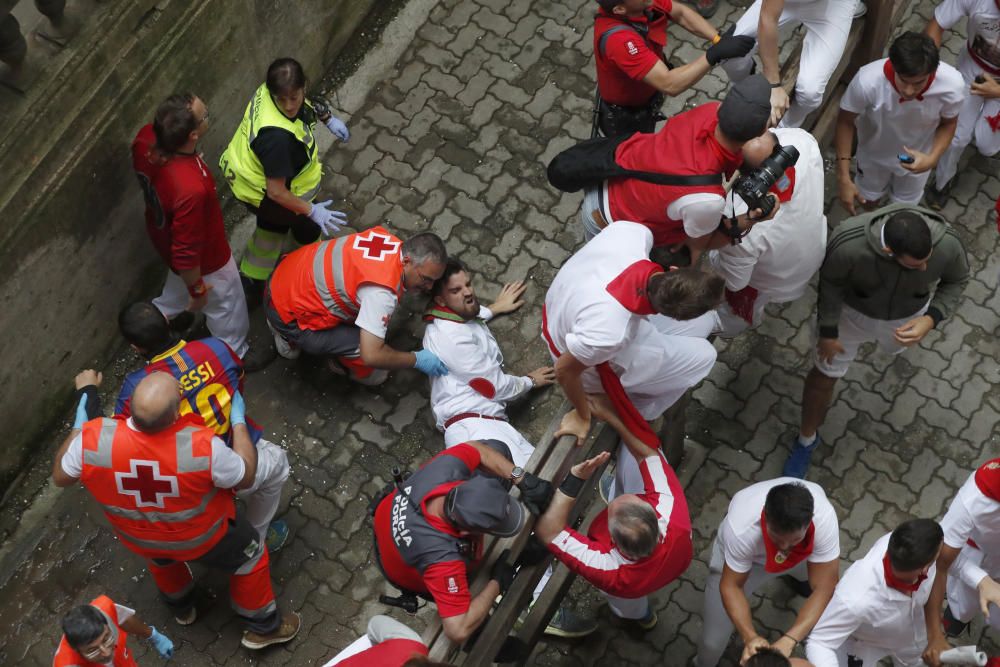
(591, 162)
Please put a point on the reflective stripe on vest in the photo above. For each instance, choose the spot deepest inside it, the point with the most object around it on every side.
(161, 501)
(342, 307)
(241, 166)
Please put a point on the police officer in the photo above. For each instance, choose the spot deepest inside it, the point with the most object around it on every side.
(273, 167)
(165, 483)
(342, 312)
(632, 74)
(428, 531)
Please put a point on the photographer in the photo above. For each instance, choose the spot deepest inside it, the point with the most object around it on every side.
(775, 261)
(633, 77)
(706, 140)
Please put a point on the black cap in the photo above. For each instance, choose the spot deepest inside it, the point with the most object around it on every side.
(483, 505)
(745, 112)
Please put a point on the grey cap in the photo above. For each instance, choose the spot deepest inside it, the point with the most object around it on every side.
(745, 112)
(483, 505)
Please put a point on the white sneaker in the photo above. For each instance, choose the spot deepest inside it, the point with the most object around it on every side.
(860, 9)
(284, 348)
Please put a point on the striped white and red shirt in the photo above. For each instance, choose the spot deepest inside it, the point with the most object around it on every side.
(595, 557)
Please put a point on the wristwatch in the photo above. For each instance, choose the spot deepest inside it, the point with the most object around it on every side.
(516, 474)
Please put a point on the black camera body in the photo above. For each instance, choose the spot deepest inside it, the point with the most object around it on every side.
(753, 186)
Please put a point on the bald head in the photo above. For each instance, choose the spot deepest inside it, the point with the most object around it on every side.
(156, 402)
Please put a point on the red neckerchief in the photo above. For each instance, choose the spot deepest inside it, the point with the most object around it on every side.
(629, 288)
(890, 74)
(784, 187)
(782, 561)
(892, 581)
(742, 302)
(994, 121)
(988, 479)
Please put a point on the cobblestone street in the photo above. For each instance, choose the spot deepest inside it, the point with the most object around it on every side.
(456, 142)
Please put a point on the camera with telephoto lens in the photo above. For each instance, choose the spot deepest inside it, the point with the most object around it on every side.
(753, 186)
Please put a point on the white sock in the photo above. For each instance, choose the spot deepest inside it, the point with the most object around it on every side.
(807, 441)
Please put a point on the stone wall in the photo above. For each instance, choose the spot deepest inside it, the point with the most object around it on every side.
(73, 248)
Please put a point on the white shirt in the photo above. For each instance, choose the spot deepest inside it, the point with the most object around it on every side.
(983, 26)
(780, 256)
(376, 306)
(741, 536)
(227, 465)
(583, 318)
(866, 610)
(700, 212)
(476, 381)
(972, 515)
(885, 125)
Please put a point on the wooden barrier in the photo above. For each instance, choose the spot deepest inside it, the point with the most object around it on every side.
(551, 460)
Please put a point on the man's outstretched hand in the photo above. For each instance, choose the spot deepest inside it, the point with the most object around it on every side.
(509, 298)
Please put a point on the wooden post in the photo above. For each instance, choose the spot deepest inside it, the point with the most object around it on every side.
(875, 37)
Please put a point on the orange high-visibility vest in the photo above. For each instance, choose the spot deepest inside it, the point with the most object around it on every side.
(67, 656)
(317, 285)
(156, 489)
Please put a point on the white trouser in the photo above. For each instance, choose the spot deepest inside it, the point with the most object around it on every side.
(963, 597)
(731, 324)
(474, 428)
(225, 309)
(870, 655)
(716, 626)
(972, 124)
(666, 358)
(827, 24)
(856, 328)
(263, 496)
(875, 181)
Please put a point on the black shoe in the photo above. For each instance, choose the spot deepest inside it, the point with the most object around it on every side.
(801, 588)
(253, 290)
(259, 356)
(952, 626)
(935, 197)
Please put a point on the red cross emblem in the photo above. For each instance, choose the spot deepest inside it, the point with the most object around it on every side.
(145, 484)
(376, 246)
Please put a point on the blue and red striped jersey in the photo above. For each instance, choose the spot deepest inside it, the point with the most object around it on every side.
(209, 373)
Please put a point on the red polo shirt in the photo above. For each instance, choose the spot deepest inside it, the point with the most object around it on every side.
(627, 57)
(183, 217)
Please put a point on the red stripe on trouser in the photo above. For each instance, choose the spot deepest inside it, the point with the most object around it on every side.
(612, 386)
(252, 591)
(173, 580)
(356, 367)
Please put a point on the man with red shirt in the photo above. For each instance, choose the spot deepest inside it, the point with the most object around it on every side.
(639, 544)
(428, 531)
(185, 223)
(632, 72)
(708, 140)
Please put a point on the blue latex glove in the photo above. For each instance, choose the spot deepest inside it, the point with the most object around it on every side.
(81, 413)
(237, 410)
(338, 128)
(161, 643)
(328, 221)
(429, 364)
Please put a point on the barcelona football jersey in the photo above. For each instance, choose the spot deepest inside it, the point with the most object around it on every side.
(209, 373)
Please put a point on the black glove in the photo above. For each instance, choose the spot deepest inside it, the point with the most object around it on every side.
(503, 572)
(533, 552)
(729, 46)
(536, 493)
